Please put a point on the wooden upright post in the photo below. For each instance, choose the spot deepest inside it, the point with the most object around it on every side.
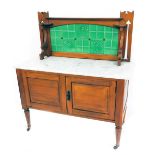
(128, 17)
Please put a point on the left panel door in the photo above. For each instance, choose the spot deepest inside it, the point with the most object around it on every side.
(44, 90)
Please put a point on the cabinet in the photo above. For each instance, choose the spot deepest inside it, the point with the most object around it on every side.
(84, 96)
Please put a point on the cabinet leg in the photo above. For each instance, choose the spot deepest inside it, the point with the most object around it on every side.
(118, 135)
(27, 115)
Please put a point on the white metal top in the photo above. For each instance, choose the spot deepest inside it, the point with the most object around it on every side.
(86, 67)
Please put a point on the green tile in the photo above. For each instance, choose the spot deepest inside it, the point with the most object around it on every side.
(78, 49)
(115, 30)
(110, 52)
(52, 33)
(92, 27)
(107, 44)
(86, 49)
(114, 44)
(71, 27)
(115, 36)
(53, 42)
(99, 35)
(108, 36)
(97, 46)
(59, 48)
(86, 43)
(58, 34)
(82, 27)
(71, 35)
(108, 29)
(65, 35)
(81, 30)
(92, 35)
(82, 34)
(93, 50)
(79, 43)
(54, 48)
(68, 43)
(100, 28)
(58, 42)
(97, 43)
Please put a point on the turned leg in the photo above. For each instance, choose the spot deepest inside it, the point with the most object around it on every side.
(121, 97)
(119, 62)
(27, 115)
(118, 135)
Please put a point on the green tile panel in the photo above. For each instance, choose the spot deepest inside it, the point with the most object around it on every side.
(85, 38)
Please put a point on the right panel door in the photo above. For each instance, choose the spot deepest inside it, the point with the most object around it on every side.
(91, 97)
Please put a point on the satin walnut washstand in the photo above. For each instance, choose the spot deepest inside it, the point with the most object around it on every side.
(83, 70)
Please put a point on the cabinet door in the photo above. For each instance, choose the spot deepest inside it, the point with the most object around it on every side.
(45, 90)
(91, 97)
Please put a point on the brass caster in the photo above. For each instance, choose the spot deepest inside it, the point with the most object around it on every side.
(41, 57)
(116, 146)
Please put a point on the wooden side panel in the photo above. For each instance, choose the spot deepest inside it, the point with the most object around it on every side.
(23, 95)
(125, 99)
(121, 99)
(91, 97)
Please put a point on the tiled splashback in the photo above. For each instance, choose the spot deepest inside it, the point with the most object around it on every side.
(85, 38)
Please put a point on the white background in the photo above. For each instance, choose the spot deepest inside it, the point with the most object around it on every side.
(59, 134)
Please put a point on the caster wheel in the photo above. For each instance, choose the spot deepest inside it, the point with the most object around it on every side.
(116, 146)
(41, 57)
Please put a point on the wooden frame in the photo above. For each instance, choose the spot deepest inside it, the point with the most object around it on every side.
(125, 29)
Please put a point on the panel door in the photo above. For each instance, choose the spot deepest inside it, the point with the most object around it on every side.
(45, 91)
(91, 97)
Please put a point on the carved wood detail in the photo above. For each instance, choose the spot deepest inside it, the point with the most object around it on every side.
(44, 34)
(128, 17)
